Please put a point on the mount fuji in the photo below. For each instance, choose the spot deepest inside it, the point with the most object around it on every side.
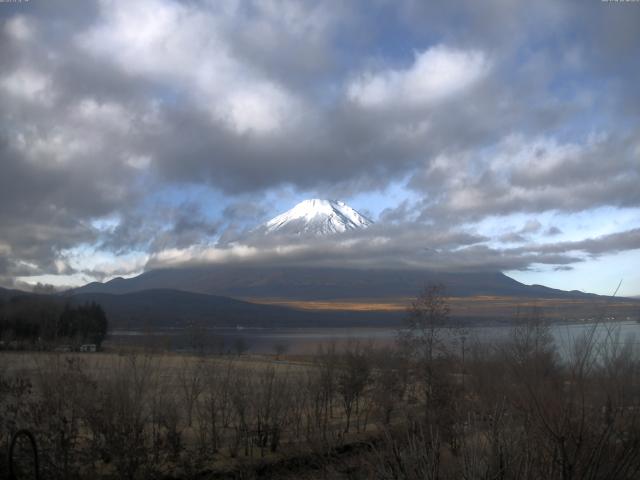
(270, 294)
(315, 217)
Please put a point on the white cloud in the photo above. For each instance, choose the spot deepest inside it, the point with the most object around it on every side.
(104, 115)
(260, 109)
(19, 28)
(28, 84)
(187, 49)
(78, 132)
(5, 248)
(436, 74)
(138, 162)
(529, 174)
(210, 254)
(103, 265)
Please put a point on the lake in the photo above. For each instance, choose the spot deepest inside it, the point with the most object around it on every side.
(307, 340)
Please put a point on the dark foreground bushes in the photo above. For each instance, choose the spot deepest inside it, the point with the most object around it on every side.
(524, 409)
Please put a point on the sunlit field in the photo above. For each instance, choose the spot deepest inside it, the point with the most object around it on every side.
(484, 308)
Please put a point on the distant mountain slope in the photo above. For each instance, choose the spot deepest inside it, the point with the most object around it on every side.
(173, 308)
(298, 283)
(6, 293)
(315, 217)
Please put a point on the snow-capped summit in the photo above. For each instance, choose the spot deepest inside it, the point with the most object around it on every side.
(317, 217)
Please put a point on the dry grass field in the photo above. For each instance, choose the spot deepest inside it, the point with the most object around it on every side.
(420, 410)
(150, 414)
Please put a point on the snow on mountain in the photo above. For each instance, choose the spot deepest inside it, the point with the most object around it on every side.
(316, 217)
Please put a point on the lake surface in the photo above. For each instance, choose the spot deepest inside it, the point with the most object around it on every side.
(308, 340)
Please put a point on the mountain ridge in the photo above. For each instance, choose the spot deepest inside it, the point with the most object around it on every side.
(177, 308)
(323, 283)
(332, 297)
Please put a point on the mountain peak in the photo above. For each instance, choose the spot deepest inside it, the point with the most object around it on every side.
(317, 217)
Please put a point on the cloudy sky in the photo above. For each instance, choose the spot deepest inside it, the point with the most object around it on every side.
(478, 135)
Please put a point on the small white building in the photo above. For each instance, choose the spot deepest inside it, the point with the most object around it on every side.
(88, 347)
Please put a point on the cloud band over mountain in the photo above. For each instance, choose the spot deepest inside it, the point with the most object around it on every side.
(134, 134)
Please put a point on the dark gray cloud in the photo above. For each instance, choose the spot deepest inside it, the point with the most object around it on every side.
(563, 268)
(398, 246)
(402, 246)
(534, 175)
(612, 243)
(512, 237)
(400, 213)
(160, 228)
(244, 211)
(532, 226)
(106, 104)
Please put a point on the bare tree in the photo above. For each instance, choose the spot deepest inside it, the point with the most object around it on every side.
(271, 395)
(191, 381)
(63, 385)
(390, 381)
(354, 375)
(215, 408)
(422, 335)
(414, 454)
(240, 346)
(118, 414)
(280, 349)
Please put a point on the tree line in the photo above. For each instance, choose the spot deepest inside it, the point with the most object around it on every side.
(42, 319)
